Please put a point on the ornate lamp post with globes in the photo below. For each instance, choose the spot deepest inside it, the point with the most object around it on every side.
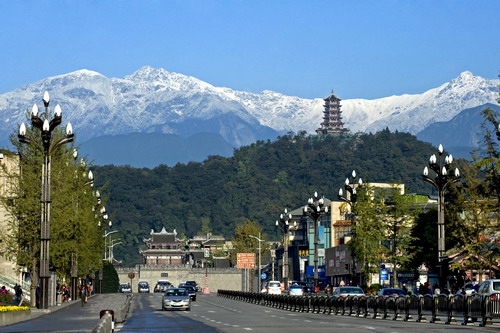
(315, 209)
(352, 198)
(46, 127)
(284, 225)
(442, 178)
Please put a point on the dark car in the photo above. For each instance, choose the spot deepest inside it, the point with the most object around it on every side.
(143, 287)
(391, 292)
(190, 290)
(125, 288)
(194, 284)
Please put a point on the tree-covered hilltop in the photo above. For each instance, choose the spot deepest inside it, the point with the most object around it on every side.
(256, 183)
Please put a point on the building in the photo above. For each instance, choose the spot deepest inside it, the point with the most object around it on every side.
(9, 165)
(332, 117)
(201, 248)
(163, 249)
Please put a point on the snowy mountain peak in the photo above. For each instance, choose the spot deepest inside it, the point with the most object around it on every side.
(156, 100)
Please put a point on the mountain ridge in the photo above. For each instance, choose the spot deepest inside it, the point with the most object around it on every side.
(154, 100)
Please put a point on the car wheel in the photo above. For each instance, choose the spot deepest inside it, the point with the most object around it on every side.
(194, 299)
(188, 309)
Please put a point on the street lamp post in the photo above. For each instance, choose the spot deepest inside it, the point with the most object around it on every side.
(315, 209)
(46, 127)
(351, 198)
(440, 181)
(284, 225)
(260, 255)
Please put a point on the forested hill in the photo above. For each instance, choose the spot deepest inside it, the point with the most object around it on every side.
(256, 183)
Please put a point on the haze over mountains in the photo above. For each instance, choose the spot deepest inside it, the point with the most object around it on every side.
(165, 118)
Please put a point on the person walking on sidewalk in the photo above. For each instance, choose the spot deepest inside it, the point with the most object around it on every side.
(18, 292)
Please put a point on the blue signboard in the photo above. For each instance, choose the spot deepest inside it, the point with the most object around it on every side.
(310, 271)
(263, 276)
(384, 275)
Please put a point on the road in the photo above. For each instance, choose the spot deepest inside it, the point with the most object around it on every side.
(216, 314)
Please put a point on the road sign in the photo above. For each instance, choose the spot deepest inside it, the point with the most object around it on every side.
(384, 276)
(207, 253)
(263, 276)
(245, 260)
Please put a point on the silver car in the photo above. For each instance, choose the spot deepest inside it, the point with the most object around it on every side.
(176, 298)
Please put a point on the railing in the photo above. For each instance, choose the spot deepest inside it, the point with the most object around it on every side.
(9, 284)
(431, 308)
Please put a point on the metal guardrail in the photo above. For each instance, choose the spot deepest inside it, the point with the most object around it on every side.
(431, 308)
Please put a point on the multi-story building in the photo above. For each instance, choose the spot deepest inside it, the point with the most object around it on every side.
(332, 117)
(9, 165)
(163, 249)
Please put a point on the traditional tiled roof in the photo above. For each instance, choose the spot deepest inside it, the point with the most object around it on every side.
(163, 237)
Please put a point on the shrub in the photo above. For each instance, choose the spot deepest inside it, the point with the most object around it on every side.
(5, 299)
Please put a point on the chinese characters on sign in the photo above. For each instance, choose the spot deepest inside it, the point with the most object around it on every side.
(245, 260)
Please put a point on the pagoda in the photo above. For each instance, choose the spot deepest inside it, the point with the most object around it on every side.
(332, 117)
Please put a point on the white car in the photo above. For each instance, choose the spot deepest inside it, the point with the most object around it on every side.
(274, 288)
(296, 290)
(489, 287)
(348, 291)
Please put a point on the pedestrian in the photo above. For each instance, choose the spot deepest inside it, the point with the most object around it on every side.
(328, 289)
(18, 292)
(4, 290)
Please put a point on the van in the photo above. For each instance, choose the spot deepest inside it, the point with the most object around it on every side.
(274, 288)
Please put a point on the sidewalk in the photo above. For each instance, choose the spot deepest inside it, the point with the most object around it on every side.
(71, 316)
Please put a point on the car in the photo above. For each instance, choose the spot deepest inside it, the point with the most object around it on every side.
(176, 299)
(194, 284)
(296, 290)
(489, 287)
(348, 291)
(161, 286)
(391, 292)
(125, 288)
(274, 288)
(191, 292)
(143, 287)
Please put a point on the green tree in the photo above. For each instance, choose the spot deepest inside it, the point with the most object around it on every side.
(398, 220)
(73, 224)
(366, 244)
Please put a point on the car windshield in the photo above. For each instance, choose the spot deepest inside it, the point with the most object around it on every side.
(175, 292)
(394, 292)
(275, 284)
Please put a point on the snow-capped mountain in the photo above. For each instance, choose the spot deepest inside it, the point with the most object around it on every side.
(153, 100)
(413, 113)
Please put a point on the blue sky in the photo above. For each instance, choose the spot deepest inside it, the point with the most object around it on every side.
(360, 49)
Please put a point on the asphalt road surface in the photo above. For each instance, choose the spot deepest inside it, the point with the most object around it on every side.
(216, 314)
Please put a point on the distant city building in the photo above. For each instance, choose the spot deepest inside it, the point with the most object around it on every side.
(332, 117)
(163, 249)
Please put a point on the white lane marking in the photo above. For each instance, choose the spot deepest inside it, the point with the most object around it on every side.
(236, 325)
(211, 311)
(308, 321)
(369, 327)
(247, 328)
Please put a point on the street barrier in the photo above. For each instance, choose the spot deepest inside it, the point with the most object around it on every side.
(432, 308)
